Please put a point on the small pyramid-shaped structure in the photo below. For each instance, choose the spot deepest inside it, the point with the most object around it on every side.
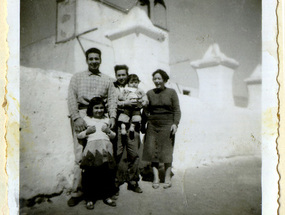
(137, 22)
(214, 57)
(255, 77)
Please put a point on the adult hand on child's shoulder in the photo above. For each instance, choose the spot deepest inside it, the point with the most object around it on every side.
(80, 124)
(91, 130)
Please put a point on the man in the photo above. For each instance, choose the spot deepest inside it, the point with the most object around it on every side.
(82, 88)
(130, 174)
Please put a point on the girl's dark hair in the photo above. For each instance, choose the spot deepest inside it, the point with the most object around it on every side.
(95, 101)
(163, 74)
(133, 77)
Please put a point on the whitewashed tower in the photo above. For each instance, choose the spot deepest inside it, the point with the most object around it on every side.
(215, 73)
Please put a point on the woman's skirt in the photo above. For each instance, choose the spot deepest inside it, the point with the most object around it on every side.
(159, 142)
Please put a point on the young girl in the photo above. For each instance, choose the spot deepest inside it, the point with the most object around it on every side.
(132, 114)
(98, 165)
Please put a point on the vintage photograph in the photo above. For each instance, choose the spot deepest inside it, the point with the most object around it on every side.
(148, 107)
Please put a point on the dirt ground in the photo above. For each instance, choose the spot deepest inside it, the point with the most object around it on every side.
(228, 187)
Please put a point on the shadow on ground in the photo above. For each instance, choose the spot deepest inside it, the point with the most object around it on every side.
(229, 187)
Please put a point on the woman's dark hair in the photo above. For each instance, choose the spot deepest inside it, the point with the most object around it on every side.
(163, 74)
(92, 50)
(133, 77)
(120, 67)
(92, 103)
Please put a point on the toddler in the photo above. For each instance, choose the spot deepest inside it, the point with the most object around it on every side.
(132, 114)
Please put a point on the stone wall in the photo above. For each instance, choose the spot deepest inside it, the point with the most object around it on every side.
(46, 150)
(206, 133)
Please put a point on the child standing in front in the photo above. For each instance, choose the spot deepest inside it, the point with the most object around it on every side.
(98, 165)
(132, 115)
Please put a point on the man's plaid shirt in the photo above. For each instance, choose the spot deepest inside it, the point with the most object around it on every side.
(86, 85)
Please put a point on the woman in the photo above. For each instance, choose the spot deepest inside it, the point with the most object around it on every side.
(163, 116)
(98, 164)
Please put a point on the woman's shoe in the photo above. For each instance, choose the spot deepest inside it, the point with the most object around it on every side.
(110, 202)
(155, 185)
(167, 185)
(90, 205)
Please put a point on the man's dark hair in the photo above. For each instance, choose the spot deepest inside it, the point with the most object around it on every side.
(163, 74)
(133, 77)
(119, 67)
(92, 50)
(95, 101)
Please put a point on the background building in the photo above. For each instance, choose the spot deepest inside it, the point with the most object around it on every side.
(208, 47)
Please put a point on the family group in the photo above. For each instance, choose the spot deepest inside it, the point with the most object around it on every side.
(107, 118)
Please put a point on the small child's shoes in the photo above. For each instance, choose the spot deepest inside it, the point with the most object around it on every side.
(132, 131)
(123, 129)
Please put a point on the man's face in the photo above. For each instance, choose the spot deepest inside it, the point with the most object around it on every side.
(93, 61)
(121, 76)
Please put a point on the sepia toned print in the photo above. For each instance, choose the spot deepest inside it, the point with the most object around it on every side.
(212, 54)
